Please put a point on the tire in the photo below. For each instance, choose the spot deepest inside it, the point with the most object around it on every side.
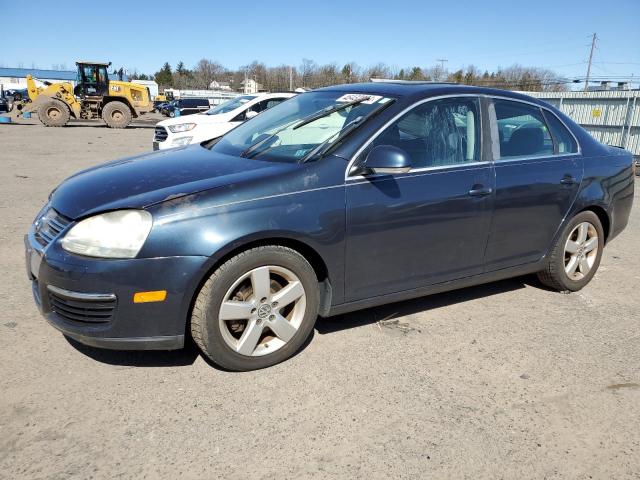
(172, 114)
(273, 269)
(53, 113)
(116, 115)
(557, 273)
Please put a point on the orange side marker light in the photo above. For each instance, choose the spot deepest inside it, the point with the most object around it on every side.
(146, 297)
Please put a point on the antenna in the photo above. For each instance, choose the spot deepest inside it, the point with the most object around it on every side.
(441, 60)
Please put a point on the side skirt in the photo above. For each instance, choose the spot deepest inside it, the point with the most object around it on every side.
(436, 288)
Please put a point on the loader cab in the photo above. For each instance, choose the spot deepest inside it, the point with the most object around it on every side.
(93, 80)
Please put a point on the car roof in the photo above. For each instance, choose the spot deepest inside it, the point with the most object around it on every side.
(399, 88)
(262, 95)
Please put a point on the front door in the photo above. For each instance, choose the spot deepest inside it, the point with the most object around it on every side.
(429, 225)
(538, 173)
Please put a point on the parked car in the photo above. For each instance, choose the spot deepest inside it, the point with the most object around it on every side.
(4, 105)
(168, 107)
(188, 106)
(338, 199)
(16, 94)
(158, 105)
(217, 121)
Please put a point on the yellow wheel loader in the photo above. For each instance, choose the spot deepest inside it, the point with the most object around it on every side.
(93, 97)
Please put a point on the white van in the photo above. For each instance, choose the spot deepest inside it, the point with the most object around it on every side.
(215, 122)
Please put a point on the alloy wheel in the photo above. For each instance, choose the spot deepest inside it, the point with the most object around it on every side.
(262, 311)
(580, 251)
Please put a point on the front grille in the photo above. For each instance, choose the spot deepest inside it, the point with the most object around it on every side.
(161, 134)
(49, 226)
(77, 309)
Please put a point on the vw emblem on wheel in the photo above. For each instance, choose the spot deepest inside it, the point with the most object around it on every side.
(264, 310)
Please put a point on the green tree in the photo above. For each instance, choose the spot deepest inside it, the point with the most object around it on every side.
(163, 76)
(416, 74)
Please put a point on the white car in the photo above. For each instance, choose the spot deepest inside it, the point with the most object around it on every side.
(215, 122)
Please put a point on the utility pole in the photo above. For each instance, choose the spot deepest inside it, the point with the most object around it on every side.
(290, 78)
(593, 46)
(441, 60)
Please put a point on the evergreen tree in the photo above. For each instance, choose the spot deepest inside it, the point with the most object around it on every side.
(163, 77)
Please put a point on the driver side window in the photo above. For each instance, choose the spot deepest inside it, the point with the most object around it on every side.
(437, 133)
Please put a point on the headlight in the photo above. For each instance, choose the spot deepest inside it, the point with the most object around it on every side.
(178, 142)
(118, 234)
(182, 127)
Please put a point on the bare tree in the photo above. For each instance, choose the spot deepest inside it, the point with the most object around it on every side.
(206, 71)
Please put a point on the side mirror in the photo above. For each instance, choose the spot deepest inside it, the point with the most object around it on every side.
(387, 159)
(250, 114)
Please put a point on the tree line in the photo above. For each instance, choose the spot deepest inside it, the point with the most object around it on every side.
(309, 74)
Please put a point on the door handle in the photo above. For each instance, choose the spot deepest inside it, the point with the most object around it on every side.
(568, 180)
(480, 192)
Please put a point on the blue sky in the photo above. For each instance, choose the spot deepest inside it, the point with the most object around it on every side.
(489, 34)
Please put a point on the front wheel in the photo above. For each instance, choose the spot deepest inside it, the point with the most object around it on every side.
(53, 113)
(257, 309)
(576, 256)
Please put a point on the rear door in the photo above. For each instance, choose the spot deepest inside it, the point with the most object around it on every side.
(429, 225)
(202, 105)
(188, 106)
(538, 172)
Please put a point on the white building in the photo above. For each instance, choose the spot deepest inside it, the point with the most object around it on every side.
(249, 85)
(223, 86)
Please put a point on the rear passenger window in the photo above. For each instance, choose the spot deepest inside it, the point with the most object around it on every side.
(522, 129)
(563, 138)
(437, 133)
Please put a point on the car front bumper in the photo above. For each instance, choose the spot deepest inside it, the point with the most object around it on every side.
(91, 300)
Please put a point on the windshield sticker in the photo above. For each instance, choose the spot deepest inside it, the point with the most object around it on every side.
(301, 152)
(353, 97)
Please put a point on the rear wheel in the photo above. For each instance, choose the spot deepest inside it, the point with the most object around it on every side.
(53, 113)
(576, 256)
(257, 309)
(116, 115)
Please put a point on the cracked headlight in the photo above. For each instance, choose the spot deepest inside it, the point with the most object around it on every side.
(118, 234)
(182, 127)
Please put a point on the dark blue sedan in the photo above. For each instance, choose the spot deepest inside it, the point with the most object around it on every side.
(338, 199)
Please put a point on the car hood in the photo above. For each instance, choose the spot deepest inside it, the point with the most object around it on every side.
(144, 180)
(197, 118)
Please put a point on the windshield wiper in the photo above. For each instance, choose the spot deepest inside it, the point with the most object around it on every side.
(333, 140)
(328, 111)
(305, 121)
(255, 146)
(324, 146)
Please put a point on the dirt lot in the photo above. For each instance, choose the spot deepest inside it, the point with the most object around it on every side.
(501, 381)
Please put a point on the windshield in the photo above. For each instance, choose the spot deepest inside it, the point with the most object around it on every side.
(230, 105)
(290, 131)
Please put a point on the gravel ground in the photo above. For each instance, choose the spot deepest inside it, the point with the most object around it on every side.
(505, 380)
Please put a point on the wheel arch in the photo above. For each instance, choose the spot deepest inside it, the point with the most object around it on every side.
(229, 251)
(603, 216)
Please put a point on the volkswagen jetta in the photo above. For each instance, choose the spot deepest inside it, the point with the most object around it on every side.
(335, 200)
